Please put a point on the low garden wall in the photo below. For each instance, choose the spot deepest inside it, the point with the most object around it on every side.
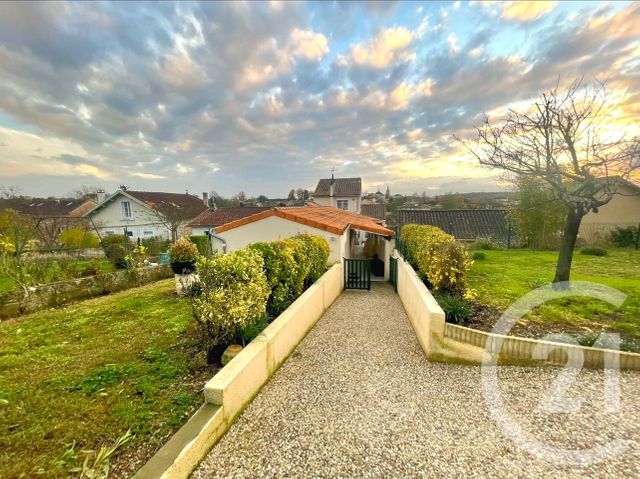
(63, 292)
(445, 341)
(234, 386)
(424, 312)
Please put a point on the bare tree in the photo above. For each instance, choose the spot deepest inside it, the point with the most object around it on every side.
(562, 142)
(292, 195)
(85, 191)
(303, 194)
(173, 216)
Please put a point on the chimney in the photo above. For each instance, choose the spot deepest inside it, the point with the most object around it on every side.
(205, 198)
(332, 185)
(101, 195)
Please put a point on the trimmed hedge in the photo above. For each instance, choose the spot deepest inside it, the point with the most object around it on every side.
(438, 257)
(203, 243)
(290, 266)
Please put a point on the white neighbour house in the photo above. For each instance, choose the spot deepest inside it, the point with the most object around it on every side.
(342, 230)
(144, 214)
(343, 193)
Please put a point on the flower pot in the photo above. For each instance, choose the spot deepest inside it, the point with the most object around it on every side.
(230, 353)
(183, 267)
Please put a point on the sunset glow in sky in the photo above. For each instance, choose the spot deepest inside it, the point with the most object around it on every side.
(265, 97)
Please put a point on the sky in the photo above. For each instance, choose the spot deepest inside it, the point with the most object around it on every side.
(266, 97)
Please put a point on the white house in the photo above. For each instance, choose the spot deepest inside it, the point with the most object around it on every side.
(145, 214)
(343, 193)
(342, 230)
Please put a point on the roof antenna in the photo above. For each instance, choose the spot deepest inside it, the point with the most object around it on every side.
(333, 169)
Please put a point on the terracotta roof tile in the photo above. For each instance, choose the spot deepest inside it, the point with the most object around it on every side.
(374, 210)
(220, 216)
(326, 218)
(343, 187)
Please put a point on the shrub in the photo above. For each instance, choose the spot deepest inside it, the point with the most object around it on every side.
(290, 266)
(456, 309)
(478, 255)
(438, 257)
(249, 332)
(484, 244)
(183, 251)
(234, 295)
(593, 251)
(624, 237)
(203, 244)
(155, 245)
(114, 250)
(78, 238)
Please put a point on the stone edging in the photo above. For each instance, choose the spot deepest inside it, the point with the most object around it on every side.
(235, 385)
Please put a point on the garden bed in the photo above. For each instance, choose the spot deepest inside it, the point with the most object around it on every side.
(505, 276)
(77, 378)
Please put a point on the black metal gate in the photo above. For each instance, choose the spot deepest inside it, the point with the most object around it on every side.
(393, 272)
(357, 274)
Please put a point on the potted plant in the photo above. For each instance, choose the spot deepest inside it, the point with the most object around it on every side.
(183, 254)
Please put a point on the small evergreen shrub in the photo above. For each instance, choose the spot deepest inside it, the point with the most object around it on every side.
(438, 257)
(155, 245)
(594, 251)
(234, 295)
(114, 247)
(484, 244)
(478, 255)
(183, 251)
(456, 309)
(203, 244)
(624, 237)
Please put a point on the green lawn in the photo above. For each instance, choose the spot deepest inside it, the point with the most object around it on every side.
(79, 377)
(74, 268)
(505, 276)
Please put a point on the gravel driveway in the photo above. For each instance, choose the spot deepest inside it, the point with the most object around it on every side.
(359, 399)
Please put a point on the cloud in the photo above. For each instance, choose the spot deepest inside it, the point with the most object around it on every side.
(308, 44)
(388, 47)
(526, 11)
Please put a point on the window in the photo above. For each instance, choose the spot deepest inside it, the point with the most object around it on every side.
(343, 204)
(109, 233)
(147, 233)
(126, 209)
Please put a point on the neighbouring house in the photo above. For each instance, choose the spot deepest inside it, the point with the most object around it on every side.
(464, 225)
(376, 211)
(350, 235)
(343, 193)
(208, 220)
(622, 211)
(51, 215)
(145, 214)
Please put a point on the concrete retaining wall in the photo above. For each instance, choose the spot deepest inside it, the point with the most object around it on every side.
(51, 295)
(516, 349)
(425, 314)
(235, 385)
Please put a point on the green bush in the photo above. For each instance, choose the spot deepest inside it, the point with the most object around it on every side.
(438, 257)
(478, 255)
(183, 251)
(290, 266)
(484, 244)
(593, 251)
(456, 309)
(252, 330)
(234, 295)
(624, 237)
(78, 238)
(155, 245)
(115, 250)
(203, 244)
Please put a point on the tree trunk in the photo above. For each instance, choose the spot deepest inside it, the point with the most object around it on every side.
(569, 236)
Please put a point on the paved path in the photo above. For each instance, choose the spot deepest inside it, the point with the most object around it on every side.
(359, 399)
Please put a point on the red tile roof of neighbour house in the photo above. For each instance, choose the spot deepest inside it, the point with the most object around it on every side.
(48, 207)
(220, 216)
(374, 210)
(342, 187)
(326, 218)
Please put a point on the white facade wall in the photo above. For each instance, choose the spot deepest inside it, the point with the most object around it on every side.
(354, 202)
(274, 228)
(143, 223)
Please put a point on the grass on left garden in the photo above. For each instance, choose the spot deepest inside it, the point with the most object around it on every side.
(505, 276)
(77, 378)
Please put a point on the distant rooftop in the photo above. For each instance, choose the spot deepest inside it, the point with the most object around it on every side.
(220, 216)
(343, 187)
